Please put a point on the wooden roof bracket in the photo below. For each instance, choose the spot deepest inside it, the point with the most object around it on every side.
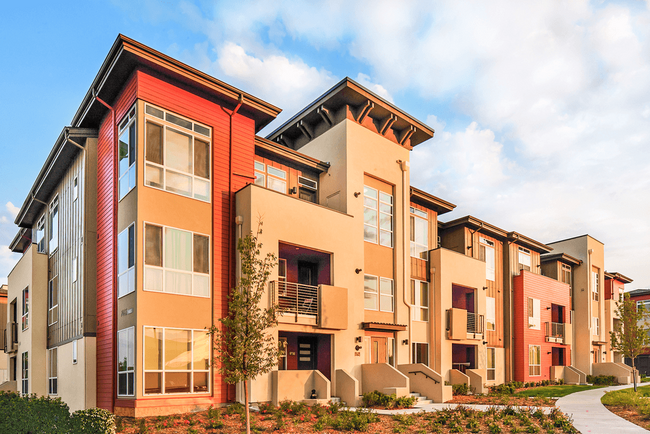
(364, 110)
(325, 114)
(281, 140)
(387, 123)
(405, 134)
(306, 129)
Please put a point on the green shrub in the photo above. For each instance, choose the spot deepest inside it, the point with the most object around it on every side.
(32, 414)
(460, 389)
(503, 389)
(93, 421)
(236, 408)
(602, 380)
(378, 399)
(354, 420)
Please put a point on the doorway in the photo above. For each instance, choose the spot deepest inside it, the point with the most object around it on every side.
(378, 347)
(307, 273)
(307, 346)
(558, 356)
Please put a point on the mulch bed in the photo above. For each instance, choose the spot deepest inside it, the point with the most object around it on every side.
(502, 400)
(630, 414)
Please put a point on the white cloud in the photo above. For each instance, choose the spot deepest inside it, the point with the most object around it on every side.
(380, 90)
(13, 209)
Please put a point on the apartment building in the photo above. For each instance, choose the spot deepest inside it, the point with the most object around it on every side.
(642, 362)
(4, 369)
(128, 253)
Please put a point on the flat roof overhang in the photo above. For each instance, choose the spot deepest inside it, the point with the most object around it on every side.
(430, 201)
(383, 327)
(617, 276)
(562, 257)
(127, 54)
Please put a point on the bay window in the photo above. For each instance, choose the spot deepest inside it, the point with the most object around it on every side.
(126, 153)
(176, 261)
(176, 361)
(177, 154)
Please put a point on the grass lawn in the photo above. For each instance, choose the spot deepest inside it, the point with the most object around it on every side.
(555, 391)
(630, 405)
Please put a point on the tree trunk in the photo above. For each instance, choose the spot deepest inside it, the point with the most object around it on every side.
(634, 372)
(248, 414)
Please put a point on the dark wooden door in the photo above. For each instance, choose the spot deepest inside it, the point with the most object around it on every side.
(307, 273)
(307, 353)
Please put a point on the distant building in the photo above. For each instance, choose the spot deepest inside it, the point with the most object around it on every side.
(642, 362)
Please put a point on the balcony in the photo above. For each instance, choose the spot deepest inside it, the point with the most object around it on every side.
(323, 306)
(462, 324)
(558, 332)
(11, 337)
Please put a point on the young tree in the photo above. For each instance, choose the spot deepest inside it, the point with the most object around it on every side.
(630, 335)
(245, 348)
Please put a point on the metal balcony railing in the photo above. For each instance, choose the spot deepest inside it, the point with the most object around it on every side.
(295, 297)
(474, 323)
(555, 330)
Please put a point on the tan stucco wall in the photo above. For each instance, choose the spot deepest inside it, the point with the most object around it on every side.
(31, 271)
(77, 383)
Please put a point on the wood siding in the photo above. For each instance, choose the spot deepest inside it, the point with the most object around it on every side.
(106, 248)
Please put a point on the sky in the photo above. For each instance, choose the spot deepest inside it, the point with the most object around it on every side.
(541, 108)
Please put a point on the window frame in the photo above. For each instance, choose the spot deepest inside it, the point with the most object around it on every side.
(376, 223)
(164, 268)
(41, 244)
(52, 225)
(595, 285)
(418, 349)
(127, 125)
(595, 325)
(524, 253)
(534, 313)
(264, 175)
(24, 376)
(493, 369)
(130, 333)
(416, 300)
(52, 368)
(378, 292)
(24, 318)
(129, 272)
(163, 370)
(534, 369)
(566, 273)
(490, 269)
(490, 320)
(166, 124)
(52, 308)
(423, 252)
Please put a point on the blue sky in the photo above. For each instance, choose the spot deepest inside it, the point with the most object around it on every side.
(541, 109)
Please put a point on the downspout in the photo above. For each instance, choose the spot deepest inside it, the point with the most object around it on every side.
(510, 312)
(589, 301)
(404, 165)
(231, 204)
(115, 194)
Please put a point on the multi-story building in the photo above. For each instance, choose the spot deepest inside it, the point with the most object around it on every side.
(128, 253)
(641, 296)
(4, 371)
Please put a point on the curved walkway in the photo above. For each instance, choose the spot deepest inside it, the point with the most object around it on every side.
(591, 416)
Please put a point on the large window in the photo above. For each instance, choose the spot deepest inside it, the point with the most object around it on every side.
(534, 321)
(25, 373)
(491, 364)
(534, 360)
(54, 225)
(126, 261)
(176, 261)
(524, 259)
(490, 313)
(126, 153)
(176, 361)
(40, 235)
(53, 301)
(420, 353)
(419, 233)
(52, 375)
(378, 217)
(595, 329)
(177, 154)
(378, 293)
(125, 362)
(420, 300)
(486, 254)
(566, 277)
(595, 282)
(25, 315)
(270, 177)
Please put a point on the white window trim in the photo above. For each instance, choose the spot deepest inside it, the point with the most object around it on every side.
(163, 268)
(53, 204)
(534, 321)
(487, 363)
(490, 268)
(265, 174)
(490, 316)
(539, 350)
(524, 253)
(595, 324)
(414, 346)
(24, 379)
(379, 294)
(41, 225)
(129, 119)
(165, 124)
(129, 270)
(376, 224)
(24, 315)
(375, 293)
(52, 353)
(417, 302)
(128, 371)
(415, 213)
(162, 372)
(51, 308)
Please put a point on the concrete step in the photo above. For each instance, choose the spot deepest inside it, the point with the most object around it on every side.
(421, 400)
(335, 399)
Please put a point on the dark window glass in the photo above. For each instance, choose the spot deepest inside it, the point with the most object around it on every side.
(201, 254)
(154, 143)
(201, 159)
(132, 144)
(131, 246)
(153, 245)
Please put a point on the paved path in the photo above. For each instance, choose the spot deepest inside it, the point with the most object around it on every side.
(591, 416)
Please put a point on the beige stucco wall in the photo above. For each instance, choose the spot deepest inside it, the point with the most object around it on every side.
(449, 268)
(76, 382)
(584, 307)
(31, 271)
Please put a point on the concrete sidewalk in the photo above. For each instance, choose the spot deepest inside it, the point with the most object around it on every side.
(591, 416)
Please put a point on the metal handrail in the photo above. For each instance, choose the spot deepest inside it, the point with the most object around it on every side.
(296, 298)
(425, 374)
(474, 323)
(555, 329)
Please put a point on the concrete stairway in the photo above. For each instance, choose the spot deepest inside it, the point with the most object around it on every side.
(421, 400)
